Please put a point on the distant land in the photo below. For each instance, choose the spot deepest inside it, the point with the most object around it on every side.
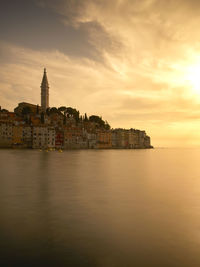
(42, 127)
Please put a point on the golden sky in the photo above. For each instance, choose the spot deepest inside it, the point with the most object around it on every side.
(134, 62)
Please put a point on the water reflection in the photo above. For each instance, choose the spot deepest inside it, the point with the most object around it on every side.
(100, 208)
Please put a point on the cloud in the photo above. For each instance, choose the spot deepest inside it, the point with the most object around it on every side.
(126, 60)
(148, 29)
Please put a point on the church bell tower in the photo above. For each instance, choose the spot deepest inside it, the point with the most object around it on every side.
(44, 92)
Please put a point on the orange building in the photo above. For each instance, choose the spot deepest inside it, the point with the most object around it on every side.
(17, 137)
(7, 116)
(104, 139)
(35, 120)
(56, 119)
(74, 138)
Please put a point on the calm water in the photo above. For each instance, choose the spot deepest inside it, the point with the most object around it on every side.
(100, 208)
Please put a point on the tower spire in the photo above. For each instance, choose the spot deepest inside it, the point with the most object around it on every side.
(44, 92)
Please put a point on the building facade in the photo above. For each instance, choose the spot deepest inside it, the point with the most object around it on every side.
(104, 139)
(43, 137)
(6, 134)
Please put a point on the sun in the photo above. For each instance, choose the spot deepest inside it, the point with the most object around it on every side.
(193, 77)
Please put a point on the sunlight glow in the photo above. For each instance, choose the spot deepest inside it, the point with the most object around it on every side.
(193, 77)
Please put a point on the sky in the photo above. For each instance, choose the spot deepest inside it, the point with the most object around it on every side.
(136, 63)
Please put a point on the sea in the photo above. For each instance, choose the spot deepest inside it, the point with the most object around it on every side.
(100, 208)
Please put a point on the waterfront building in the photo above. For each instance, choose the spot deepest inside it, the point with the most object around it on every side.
(68, 141)
(6, 133)
(59, 138)
(142, 136)
(147, 142)
(122, 138)
(74, 138)
(3, 116)
(104, 139)
(7, 116)
(43, 137)
(17, 137)
(35, 120)
(137, 139)
(91, 139)
(44, 92)
(126, 140)
(142, 140)
(22, 136)
(27, 136)
(84, 140)
(114, 138)
(132, 138)
(118, 139)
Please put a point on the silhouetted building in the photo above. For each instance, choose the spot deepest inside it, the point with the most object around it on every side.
(21, 106)
(44, 92)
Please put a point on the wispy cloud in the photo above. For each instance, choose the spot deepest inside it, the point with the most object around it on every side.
(126, 60)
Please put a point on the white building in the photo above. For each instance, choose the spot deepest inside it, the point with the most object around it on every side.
(43, 137)
(92, 139)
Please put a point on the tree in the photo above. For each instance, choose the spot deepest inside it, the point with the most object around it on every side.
(53, 110)
(98, 120)
(107, 126)
(4, 110)
(72, 112)
(76, 115)
(85, 117)
(62, 109)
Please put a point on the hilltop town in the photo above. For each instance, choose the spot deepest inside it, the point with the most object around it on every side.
(42, 127)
